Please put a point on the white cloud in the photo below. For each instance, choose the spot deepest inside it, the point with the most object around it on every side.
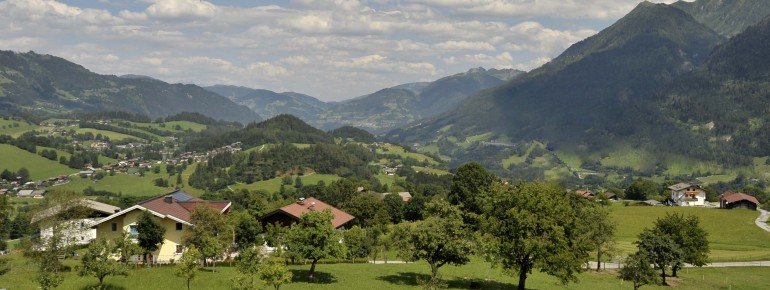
(181, 10)
(302, 45)
(464, 45)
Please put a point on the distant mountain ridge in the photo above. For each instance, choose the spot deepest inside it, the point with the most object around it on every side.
(270, 104)
(726, 17)
(397, 106)
(376, 112)
(49, 85)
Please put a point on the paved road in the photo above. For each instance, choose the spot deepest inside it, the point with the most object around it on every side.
(761, 221)
(710, 265)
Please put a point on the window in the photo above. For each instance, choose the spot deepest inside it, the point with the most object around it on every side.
(179, 249)
(114, 227)
(178, 226)
(133, 231)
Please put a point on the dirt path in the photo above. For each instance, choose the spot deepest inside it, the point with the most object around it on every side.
(710, 265)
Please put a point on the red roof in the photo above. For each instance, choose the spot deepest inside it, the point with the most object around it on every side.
(585, 193)
(181, 205)
(299, 208)
(731, 197)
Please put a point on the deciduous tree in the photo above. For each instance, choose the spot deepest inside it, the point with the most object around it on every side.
(210, 233)
(97, 262)
(314, 238)
(532, 226)
(660, 249)
(688, 235)
(636, 268)
(442, 238)
(275, 274)
(188, 265)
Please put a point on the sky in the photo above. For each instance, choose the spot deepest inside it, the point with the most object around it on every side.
(330, 49)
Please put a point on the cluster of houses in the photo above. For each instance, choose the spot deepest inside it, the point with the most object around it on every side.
(172, 211)
(31, 189)
(691, 195)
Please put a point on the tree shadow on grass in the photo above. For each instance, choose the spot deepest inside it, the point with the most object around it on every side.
(300, 276)
(106, 286)
(414, 279)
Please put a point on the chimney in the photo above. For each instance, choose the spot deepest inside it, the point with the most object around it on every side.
(301, 201)
(168, 199)
(312, 206)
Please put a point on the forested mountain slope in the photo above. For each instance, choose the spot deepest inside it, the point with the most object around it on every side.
(44, 84)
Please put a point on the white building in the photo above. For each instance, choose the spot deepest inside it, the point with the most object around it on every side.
(79, 231)
(685, 194)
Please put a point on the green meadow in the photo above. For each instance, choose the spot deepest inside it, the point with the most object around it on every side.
(274, 185)
(733, 235)
(475, 275)
(13, 158)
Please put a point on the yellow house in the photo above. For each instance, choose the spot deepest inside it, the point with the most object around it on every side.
(172, 211)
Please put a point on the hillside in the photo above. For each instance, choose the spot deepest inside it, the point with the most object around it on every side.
(726, 17)
(270, 104)
(728, 99)
(48, 85)
(599, 96)
(397, 106)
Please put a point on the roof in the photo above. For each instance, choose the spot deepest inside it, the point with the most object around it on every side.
(91, 204)
(309, 204)
(177, 206)
(731, 197)
(26, 192)
(681, 185)
(585, 193)
(405, 196)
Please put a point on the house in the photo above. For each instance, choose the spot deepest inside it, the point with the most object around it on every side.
(585, 193)
(686, 194)
(609, 195)
(173, 211)
(291, 213)
(25, 193)
(731, 200)
(79, 231)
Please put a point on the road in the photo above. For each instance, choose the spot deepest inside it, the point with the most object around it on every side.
(710, 265)
(761, 221)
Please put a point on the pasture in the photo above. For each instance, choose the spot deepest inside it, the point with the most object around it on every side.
(13, 158)
(126, 184)
(733, 236)
(112, 135)
(274, 185)
(14, 128)
(475, 275)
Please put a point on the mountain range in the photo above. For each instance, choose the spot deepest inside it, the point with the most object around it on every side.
(652, 82)
(377, 112)
(38, 84)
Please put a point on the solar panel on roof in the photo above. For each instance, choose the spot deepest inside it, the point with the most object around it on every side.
(181, 196)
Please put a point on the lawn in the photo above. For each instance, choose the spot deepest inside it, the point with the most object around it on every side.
(732, 233)
(274, 185)
(112, 135)
(475, 275)
(127, 184)
(15, 127)
(13, 158)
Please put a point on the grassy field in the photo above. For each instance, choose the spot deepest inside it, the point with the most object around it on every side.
(430, 170)
(398, 150)
(102, 159)
(14, 158)
(274, 185)
(732, 233)
(112, 135)
(475, 275)
(171, 126)
(127, 184)
(7, 127)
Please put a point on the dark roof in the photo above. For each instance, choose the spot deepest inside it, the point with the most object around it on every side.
(301, 207)
(731, 197)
